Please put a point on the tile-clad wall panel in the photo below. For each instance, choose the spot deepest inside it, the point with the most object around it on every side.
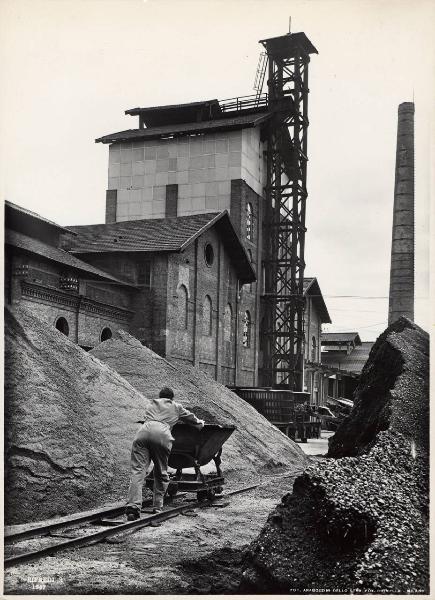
(253, 160)
(201, 165)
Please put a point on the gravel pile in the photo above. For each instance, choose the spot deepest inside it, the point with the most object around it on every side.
(359, 523)
(255, 449)
(69, 420)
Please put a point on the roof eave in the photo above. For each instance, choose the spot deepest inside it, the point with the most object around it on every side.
(224, 215)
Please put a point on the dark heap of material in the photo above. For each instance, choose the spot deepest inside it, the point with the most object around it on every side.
(360, 523)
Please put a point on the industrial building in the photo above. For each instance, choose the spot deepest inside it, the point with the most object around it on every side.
(203, 241)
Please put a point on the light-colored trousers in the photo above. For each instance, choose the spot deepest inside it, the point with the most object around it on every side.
(153, 442)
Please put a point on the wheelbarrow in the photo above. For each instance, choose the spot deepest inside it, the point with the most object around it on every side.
(194, 448)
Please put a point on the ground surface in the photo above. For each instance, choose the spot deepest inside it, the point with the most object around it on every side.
(187, 554)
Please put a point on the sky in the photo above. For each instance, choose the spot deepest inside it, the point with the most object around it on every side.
(71, 68)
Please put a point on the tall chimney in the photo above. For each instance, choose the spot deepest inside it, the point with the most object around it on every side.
(402, 246)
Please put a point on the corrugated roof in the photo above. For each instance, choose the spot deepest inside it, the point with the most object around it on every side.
(354, 361)
(345, 337)
(29, 213)
(238, 122)
(34, 246)
(172, 234)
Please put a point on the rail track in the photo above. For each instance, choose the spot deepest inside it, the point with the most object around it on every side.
(96, 519)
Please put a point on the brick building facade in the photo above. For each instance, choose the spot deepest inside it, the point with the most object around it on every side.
(84, 302)
(175, 284)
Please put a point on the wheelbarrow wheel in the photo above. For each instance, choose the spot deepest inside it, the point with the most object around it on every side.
(172, 489)
(203, 495)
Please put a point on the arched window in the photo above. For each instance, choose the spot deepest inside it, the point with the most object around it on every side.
(207, 316)
(228, 323)
(249, 286)
(249, 221)
(182, 306)
(247, 324)
(313, 349)
(62, 325)
(106, 334)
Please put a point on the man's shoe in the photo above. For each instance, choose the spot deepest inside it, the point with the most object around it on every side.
(157, 509)
(132, 514)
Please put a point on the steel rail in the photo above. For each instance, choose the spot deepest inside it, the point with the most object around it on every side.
(43, 529)
(114, 530)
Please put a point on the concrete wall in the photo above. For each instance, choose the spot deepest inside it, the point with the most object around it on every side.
(202, 166)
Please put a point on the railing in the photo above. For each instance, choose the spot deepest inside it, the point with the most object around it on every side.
(244, 102)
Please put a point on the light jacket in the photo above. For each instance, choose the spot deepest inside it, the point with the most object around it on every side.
(169, 412)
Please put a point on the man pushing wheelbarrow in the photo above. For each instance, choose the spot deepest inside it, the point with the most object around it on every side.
(153, 442)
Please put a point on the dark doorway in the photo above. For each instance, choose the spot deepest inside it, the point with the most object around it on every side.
(62, 325)
(106, 334)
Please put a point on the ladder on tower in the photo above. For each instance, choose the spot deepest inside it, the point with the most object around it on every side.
(259, 76)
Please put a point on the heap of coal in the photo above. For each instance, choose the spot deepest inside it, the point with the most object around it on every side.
(255, 448)
(70, 420)
(358, 521)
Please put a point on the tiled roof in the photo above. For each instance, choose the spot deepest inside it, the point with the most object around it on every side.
(354, 361)
(172, 234)
(29, 213)
(34, 246)
(143, 235)
(238, 122)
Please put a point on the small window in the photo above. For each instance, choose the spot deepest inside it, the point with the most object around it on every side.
(144, 274)
(106, 334)
(249, 285)
(207, 316)
(228, 323)
(247, 324)
(209, 254)
(249, 221)
(62, 325)
(313, 349)
(182, 306)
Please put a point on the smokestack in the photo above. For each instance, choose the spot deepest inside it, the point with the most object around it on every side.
(402, 246)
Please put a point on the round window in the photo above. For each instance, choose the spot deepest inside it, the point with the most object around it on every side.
(209, 254)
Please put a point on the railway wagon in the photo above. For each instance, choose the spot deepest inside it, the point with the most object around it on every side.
(285, 409)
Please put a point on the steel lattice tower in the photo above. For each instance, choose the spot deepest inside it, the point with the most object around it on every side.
(284, 231)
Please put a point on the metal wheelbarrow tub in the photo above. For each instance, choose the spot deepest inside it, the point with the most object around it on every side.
(195, 448)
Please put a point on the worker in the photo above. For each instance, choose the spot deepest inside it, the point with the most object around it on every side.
(153, 442)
